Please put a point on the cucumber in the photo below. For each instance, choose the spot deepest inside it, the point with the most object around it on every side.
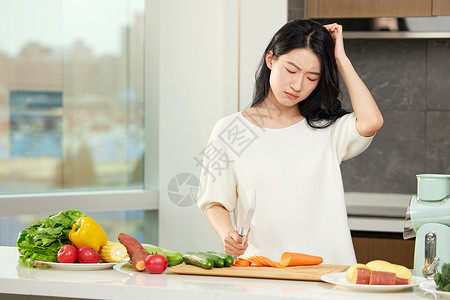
(218, 262)
(228, 260)
(173, 258)
(198, 259)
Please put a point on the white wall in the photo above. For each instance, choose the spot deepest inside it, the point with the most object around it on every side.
(197, 74)
(260, 19)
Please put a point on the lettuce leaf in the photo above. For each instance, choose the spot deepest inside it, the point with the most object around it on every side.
(42, 240)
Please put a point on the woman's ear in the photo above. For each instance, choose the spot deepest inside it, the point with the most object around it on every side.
(269, 59)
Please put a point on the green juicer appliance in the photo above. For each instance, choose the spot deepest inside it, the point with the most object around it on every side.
(428, 220)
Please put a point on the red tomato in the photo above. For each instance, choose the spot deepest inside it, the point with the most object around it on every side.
(87, 255)
(67, 254)
(156, 264)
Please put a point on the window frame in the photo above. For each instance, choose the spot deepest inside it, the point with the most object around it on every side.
(102, 200)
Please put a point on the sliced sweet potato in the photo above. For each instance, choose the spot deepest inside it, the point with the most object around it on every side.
(361, 276)
(382, 278)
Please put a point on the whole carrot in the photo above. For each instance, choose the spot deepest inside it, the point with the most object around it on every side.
(299, 259)
(135, 250)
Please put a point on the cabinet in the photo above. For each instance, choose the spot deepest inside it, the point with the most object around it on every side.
(385, 246)
(441, 7)
(376, 8)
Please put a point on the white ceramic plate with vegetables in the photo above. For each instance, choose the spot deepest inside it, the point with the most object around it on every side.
(77, 266)
(341, 279)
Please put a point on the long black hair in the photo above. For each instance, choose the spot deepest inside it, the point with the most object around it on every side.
(322, 107)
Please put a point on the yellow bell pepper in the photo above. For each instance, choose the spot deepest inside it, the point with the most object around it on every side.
(87, 232)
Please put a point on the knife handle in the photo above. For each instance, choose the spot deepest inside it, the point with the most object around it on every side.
(243, 234)
(241, 231)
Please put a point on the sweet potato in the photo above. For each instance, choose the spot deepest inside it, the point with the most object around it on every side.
(399, 280)
(351, 270)
(403, 274)
(382, 278)
(361, 276)
(135, 250)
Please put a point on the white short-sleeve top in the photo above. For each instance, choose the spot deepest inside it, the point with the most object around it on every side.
(296, 173)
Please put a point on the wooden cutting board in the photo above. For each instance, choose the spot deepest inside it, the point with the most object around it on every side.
(310, 273)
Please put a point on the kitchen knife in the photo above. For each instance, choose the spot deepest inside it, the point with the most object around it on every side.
(243, 231)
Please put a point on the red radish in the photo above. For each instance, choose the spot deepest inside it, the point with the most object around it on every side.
(135, 250)
(382, 278)
(361, 276)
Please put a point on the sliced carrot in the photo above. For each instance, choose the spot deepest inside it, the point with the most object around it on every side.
(272, 263)
(266, 262)
(299, 259)
(261, 260)
(255, 261)
(278, 265)
(241, 262)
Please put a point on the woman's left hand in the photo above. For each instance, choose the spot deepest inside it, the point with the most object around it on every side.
(336, 33)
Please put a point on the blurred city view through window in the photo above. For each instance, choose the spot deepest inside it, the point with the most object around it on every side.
(71, 96)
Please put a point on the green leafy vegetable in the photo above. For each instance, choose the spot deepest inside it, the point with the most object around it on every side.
(43, 240)
(443, 279)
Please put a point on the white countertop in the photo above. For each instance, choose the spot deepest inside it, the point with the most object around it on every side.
(123, 282)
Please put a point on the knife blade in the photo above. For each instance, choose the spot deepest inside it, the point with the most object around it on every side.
(243, 231)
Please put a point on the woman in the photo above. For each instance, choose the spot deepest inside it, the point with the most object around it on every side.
(299, 135)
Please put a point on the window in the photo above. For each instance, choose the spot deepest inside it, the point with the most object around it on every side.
(72, 107)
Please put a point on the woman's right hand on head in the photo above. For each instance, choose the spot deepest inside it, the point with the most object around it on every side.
(232, 243)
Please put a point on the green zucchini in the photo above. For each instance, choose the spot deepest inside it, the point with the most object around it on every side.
(218, 262)
(198, 259)
(152, 249)
(228, 260)
(173, 258)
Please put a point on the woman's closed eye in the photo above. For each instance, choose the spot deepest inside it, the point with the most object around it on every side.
(291, 72)
(313, 79)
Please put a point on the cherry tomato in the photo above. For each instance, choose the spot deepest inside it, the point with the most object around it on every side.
(87, 255)
(156, 264)
(67, 254)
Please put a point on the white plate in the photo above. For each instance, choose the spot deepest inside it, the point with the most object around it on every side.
(341, 280)
(77, 266)
(429, 286)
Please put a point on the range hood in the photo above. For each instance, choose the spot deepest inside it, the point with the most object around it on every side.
(388, 27)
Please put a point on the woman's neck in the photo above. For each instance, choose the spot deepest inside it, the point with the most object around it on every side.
(281, 112)
(271, 114)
